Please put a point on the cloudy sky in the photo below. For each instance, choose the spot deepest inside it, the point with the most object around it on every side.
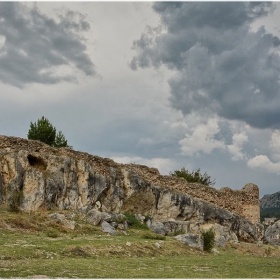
(162, 84)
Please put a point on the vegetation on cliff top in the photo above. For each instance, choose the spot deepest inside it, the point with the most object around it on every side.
(44, 131)
(194, 176)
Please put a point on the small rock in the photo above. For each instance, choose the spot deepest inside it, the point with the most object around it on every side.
(97, 205)
(125, 224)
(139, 217)
(149, 223)
(114, 224)
(216, 251)
(157, 245)
(121, 226)
(128, 244)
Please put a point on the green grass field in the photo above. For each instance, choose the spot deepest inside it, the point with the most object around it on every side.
(31, 245)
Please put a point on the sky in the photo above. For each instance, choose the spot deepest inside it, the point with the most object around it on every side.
(164, 84)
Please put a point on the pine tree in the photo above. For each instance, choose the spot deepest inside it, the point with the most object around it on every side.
(44, 131)
(60, 140)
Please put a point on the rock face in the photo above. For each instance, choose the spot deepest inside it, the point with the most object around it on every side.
(272, 234)
(270, 201)
(60, 178)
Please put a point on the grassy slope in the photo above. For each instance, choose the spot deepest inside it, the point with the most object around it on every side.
(26, 249)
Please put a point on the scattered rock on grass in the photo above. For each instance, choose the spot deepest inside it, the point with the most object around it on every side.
(157, 245)
(192, 240)
(94, 217)
(106, 227)
(61, 218)
(158, 228)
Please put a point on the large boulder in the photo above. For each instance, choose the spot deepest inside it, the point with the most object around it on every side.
(190, 239)
(106, 227)
(223, 235)
(158, 228)
(272, 234)
(94, 217)
(245, 230)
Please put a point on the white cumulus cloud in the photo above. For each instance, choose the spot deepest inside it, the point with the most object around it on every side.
(262, 162)
(202, 139)
(274, 144)
(235, 149)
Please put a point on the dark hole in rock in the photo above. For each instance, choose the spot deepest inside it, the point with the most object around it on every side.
(37, 162)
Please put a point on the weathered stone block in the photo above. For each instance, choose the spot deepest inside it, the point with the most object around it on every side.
(192, 240)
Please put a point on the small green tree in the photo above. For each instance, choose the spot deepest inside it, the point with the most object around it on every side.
(208, 239)
(44, 131)
(194, 176)
(60, 140)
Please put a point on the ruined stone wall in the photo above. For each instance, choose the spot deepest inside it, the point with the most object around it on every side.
(244, 202)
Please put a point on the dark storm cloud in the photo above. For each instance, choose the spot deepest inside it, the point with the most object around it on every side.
(220, 63)
(34, 46)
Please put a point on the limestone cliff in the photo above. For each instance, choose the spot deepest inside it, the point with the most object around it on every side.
(61, 178)
(270, 201)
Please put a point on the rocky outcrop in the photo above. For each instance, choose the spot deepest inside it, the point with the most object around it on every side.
(244, 202)
(272, 234)
(60, 178)
(270, 201)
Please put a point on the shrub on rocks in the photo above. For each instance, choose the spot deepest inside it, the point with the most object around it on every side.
(208, 239)
(134, 222)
